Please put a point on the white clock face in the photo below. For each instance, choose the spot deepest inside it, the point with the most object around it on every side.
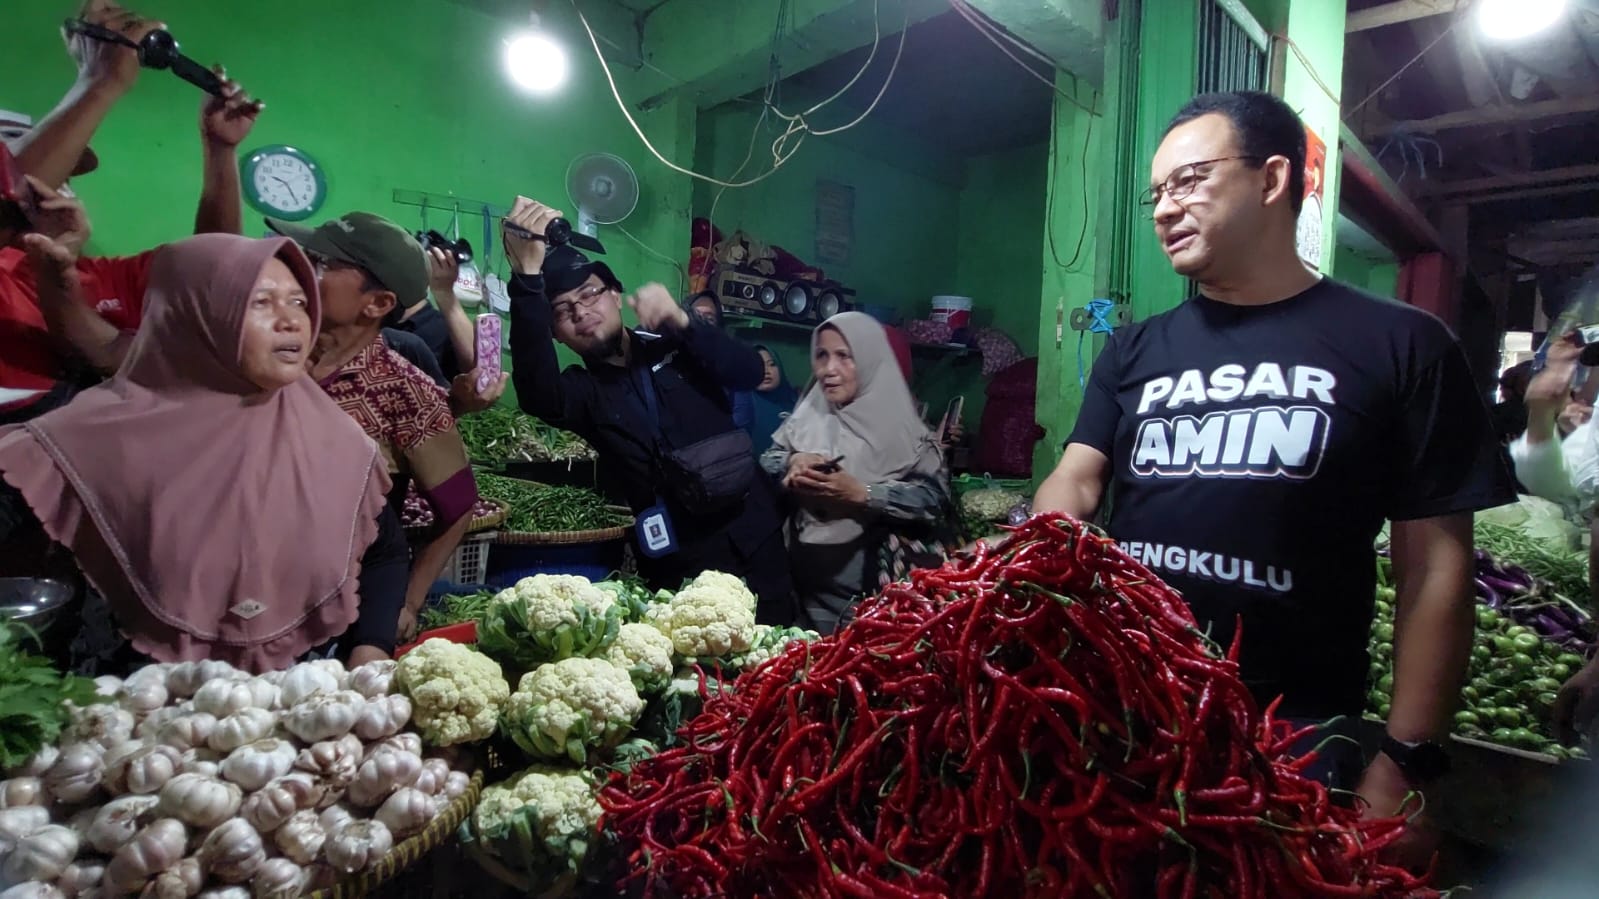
(285, 183)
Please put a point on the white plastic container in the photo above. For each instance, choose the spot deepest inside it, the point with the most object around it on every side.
(955, 312)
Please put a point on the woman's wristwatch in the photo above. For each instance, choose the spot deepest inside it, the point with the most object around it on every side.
(1420, 763)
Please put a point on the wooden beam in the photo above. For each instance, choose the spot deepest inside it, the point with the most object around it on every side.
(1505, 114)
(1518, 179)
(1395, 13)
(1527, 193)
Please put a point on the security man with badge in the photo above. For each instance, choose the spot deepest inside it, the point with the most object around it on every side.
(653, 402)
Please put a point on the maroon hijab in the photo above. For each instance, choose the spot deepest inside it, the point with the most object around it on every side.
(219, 520)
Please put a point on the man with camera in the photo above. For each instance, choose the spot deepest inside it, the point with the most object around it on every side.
(48, 354)
(367, 266)
(653, 402)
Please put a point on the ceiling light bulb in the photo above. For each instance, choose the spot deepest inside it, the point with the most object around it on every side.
(1509, 20)
(535, 62)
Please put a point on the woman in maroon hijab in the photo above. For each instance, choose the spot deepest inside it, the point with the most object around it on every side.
(216, 498)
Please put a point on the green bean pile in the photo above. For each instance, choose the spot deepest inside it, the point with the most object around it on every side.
(542, 509)
(499, 435)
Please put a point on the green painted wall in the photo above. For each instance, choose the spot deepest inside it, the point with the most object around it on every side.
(1317, 30)
(1378, 275)
(397, 94)
(997, 261)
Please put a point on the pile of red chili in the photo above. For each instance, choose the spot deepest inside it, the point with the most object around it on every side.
(1042, 719)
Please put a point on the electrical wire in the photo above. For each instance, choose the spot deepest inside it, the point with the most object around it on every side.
(682, 273)
(1406, 67)
(999, 38)
(1309, 69)
(1049, 211)
(877, 39)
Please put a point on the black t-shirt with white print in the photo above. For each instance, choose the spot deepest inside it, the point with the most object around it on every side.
(1256, 452)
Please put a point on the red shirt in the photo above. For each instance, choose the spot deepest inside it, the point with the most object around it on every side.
(29, 358)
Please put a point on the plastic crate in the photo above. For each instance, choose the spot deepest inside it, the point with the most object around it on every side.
(469, 564)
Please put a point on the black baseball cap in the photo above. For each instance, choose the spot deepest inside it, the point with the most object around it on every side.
(566, 268)
(374, 243)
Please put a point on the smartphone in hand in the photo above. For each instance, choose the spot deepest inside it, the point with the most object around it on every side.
(488, 350)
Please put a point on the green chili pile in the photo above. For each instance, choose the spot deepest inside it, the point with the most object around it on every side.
(1042, 719)
(541, 508)
(499, 435)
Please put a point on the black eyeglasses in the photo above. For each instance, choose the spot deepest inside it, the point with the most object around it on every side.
(585, 298)
(1183, 180)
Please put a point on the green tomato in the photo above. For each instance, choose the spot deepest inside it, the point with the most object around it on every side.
(1382, 710)
(1524, 737)
(1486, 617)
(1384, 632)
(1560, 671)
(1526, 641)
(1503, 698)
(1481, 654)
(1503, 735)
(1465, 718)
(1504, 645)
(1507, 716)
(1469, 694)
(1386, 683)
(1571, 660)
(1546, 700)
(1517, 631)
(1544, 685)
(1522, 662)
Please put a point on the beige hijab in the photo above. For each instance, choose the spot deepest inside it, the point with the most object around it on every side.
(879, 433)
(219, 522)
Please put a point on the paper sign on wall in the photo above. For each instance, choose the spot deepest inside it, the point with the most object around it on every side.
(835, 222)
(1309, 237)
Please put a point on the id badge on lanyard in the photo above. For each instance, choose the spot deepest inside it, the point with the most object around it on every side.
(656, 536)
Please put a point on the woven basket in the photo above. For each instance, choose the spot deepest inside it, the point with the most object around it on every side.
(492, 520)
(403, 856)
(564, 538)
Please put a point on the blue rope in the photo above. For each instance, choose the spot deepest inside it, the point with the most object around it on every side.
(1099, 323)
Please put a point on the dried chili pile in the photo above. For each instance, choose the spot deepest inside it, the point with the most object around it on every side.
(1041, 720)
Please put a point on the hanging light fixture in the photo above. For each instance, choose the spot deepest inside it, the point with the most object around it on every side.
(534, 60)
(1510, 20)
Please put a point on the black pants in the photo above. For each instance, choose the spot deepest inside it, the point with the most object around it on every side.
(765, 569)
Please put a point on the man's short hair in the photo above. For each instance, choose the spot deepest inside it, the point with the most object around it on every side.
(1266, 127)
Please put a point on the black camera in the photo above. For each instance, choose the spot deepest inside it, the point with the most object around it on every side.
(459, 248)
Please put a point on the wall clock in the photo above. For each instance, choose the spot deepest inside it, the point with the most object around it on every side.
(283, 182)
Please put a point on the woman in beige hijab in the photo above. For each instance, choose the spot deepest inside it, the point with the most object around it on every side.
(864, 473)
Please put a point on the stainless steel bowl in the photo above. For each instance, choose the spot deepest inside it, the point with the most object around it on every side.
(33, 601)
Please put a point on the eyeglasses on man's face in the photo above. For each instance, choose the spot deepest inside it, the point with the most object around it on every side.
(1184, 180)
(586, 298)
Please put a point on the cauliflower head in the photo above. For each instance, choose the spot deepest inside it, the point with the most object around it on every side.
(713, 616)
(644, 653)
(567, 708)
(456, 692)
(541, 821)
(549, 617)
(769, 643)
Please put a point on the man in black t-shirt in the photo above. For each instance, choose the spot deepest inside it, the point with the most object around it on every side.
(1256, 437)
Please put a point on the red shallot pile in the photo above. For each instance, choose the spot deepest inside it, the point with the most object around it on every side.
(1042, 719)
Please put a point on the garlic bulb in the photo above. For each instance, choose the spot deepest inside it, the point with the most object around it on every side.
(334, 667)
(335, 761)
(305, 680)
(80, 876)
(104, 724)
(325, 716)
(224, 697)
(41, 855)
(405, 742)
(301, 837)
(383, 717)
(146, 770)
(180, 881)
(185, 678)
(269, 807)
(334, 818)
(384, 771)
(358, 845)
(455, 785)
(16, 823)
(185, 732)
(118, 821)
(233, 851)
(107, 686)
(33, 891)
(150, 725)
(77, 772)
(241, 727)
(199, 800)
(277, 878)
(373, 679)
(233, 892)
(405, 812)
(252, 765)
(38, 763)
(142, 697)
(154, 849)
(20, 791)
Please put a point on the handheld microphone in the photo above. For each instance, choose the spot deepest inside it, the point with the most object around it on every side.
(157, 50)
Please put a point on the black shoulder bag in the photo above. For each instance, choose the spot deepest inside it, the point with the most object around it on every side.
(704, 478)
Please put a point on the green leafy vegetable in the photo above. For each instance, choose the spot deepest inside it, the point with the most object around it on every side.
(500, 435)
(455, 609)
(33, 696)
(542, 508)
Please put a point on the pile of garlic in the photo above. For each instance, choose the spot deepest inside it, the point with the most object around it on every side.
(197, 779)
